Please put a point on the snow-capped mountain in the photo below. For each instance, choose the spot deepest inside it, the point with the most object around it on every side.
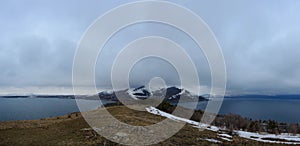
(139, 93)
(172, 94)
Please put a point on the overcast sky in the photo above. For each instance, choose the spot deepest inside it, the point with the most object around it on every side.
(260, 41)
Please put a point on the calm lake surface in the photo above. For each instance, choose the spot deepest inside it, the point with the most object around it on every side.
(281, 110)
(37, 108)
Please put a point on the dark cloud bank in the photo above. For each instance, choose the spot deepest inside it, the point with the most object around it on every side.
(260, 42)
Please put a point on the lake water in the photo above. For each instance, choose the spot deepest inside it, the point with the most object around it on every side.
(37, 108)
(282, 110)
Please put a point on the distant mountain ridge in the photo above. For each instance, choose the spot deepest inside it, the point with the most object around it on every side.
(171, 94)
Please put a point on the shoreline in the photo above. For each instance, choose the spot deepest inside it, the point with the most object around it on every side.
(113, 103)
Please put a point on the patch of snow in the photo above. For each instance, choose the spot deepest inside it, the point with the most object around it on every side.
(182, 91)
(259, 137)
(213, 140)
(139, 90)
(226, 139)
(131, 94)
(225, 135)
(175, 95)
(290, 139)
(156, 111)
(213, 128)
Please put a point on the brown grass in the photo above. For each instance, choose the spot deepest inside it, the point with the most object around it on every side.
(67, 130)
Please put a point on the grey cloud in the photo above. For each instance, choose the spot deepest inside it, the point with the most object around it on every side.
(35, 61)
(260, 42)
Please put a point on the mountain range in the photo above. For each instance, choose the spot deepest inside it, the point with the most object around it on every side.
(171, 94)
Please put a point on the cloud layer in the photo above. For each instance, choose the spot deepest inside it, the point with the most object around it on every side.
(259, 39)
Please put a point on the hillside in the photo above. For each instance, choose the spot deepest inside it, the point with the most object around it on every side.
(73, 130)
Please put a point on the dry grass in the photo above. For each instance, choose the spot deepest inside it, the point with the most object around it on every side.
(67, 130)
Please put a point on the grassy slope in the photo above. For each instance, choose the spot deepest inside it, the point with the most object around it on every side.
(66, 130)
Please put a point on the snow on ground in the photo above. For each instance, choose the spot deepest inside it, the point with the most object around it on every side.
(225, 135)
(156, 111)
(287, 138)
(261, 137)
(212, 140)
(226, 139)
(213, 128)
